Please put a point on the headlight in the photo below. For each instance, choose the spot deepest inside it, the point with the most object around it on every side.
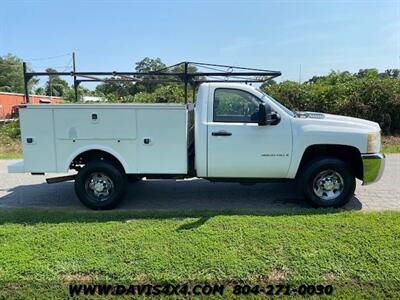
(374, 142)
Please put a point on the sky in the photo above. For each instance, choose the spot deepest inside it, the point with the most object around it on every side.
(298, 38)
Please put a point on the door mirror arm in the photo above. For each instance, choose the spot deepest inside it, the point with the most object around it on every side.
(266, 116)
(275, 118)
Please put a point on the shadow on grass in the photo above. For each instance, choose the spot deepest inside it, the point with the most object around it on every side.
(194, 224)
(31, 216)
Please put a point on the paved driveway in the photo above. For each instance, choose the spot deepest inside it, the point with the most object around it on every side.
(25, 190)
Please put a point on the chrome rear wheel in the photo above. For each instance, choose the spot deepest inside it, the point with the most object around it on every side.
(99, 185)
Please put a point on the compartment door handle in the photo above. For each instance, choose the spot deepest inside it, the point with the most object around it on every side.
(221, 133)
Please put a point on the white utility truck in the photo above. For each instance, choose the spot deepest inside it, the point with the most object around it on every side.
(233, 132)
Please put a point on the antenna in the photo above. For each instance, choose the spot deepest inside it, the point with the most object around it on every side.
(300, 74)
(75, 83)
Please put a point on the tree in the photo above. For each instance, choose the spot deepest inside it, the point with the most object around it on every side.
(148, 83)
(334, 77)
(367, 73)
(393, 73)
(150, 87)
(40, 91)
(121, 89)
(181, 68)
(169, 94)
(117, 88)
(266, 83)
(11, 75)
(148, 64)
(69, 94)
(56, 86)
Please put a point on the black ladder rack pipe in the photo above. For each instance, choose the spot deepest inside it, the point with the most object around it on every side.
(247, 75)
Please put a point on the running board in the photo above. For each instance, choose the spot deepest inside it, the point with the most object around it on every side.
(60, 179)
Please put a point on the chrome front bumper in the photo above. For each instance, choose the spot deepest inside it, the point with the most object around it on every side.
(373, 165)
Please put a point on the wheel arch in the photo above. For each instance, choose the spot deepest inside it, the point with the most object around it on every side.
(87, 153)
(349, 154)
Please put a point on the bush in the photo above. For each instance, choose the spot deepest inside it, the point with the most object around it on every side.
(10, 137)
(171, 93)
(10, 130)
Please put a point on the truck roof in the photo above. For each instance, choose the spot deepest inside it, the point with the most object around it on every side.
(229, 84)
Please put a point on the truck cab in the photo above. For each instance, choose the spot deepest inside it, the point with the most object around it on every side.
(233, 132)
(230, 142)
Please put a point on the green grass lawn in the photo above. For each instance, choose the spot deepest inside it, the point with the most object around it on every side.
(395, 148)
(10, 155)
(42, 251)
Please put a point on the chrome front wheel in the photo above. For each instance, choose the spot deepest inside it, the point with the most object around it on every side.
(328, 185)
(327, 182)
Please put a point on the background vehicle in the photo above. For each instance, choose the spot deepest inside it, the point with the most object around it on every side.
(233, 133)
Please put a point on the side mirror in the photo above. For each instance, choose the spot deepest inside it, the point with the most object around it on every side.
(266, 116)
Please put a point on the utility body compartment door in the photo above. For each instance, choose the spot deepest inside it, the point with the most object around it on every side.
(237, 146)
(38, 141)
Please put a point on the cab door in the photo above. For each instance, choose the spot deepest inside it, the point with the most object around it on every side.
(237, 146)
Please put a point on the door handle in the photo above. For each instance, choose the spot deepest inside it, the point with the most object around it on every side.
(221, 133)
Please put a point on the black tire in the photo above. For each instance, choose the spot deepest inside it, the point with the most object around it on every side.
(325, 172)
(102, 173)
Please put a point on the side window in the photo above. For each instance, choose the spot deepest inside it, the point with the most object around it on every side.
(231, 105)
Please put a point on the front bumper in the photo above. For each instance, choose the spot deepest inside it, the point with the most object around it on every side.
(373, 165)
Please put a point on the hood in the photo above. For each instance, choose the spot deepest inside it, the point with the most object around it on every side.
(342, 121)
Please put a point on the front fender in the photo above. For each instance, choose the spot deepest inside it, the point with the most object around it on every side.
(309, 135)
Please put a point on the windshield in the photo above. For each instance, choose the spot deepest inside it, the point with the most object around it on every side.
(281, 106)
